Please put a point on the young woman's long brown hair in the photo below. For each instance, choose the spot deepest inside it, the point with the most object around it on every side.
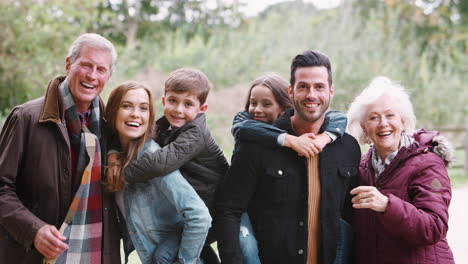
(115, 180)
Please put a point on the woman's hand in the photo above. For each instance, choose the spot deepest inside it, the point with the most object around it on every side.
(369, 197)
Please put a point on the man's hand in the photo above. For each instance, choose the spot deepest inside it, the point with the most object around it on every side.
(303, 145)
(369, 197)
(49, 242)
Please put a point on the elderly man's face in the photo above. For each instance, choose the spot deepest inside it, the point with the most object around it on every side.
(88, 75)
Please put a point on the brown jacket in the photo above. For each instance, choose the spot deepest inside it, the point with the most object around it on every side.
(36, 180)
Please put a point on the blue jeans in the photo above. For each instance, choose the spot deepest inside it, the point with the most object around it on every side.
(344, 243)
(165, 253)
(248, 242)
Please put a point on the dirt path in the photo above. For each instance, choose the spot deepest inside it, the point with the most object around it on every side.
(458, 224)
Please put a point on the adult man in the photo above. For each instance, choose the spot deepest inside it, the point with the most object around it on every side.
(295, 204)
(50, 167)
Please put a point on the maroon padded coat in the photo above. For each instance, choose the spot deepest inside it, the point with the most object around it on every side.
(414, 226)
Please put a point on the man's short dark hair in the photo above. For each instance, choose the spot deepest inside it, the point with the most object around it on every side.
(310, 58)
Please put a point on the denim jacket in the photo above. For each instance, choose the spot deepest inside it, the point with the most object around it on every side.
(160, 207)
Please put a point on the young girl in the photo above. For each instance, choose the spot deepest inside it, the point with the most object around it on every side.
(166, 220)
(267, 99)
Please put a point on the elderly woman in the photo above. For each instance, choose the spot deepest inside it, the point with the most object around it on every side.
(401, 204)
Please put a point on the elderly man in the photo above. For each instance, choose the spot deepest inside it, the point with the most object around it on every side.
(51, 170)
(298, 206)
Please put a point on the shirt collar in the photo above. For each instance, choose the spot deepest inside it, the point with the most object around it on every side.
(379, 165)
(85, 117)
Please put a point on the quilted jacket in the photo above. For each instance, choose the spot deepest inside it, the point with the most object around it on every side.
(414, 226)
(191, 149)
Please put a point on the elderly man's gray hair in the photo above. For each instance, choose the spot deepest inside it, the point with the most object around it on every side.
(92, 40)
(380, 86)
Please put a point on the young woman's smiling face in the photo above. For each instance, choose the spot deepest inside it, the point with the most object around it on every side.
(133, 115)
(263, 106)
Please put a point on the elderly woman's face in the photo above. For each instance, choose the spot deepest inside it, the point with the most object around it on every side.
(383, 125)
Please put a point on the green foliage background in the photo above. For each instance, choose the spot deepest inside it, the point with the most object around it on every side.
(425, 47)
(422, 44)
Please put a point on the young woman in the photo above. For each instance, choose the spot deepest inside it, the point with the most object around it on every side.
(268, 98)
(165, 219)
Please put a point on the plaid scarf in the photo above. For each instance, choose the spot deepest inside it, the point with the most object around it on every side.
(83, 224)
(379, 165)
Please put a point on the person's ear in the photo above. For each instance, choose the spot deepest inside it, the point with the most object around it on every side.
(332, 91)
(290, 91)
(364, 128)
(203, 108)
(68, 64)
(281, 112)
(163, 100)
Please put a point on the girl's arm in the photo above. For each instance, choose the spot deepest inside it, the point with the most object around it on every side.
(335, 127)
(336, 122)
(245, 129)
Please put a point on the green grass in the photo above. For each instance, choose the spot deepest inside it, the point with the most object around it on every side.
(457, 175)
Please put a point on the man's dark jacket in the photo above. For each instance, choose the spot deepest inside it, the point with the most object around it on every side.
(271, 184)
(36, 179)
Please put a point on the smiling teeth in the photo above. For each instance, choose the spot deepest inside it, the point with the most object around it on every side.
(384, 133)
(87, 85)
(134, 124)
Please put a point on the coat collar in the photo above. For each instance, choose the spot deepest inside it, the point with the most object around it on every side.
(52, 109)
(423, 143)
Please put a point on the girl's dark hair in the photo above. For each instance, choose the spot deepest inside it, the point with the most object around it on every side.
(114, 179)
(278, 86)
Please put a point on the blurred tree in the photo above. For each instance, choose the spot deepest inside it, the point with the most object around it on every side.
(435, 24)
(36, 34)
(125, 21)
(34, 37)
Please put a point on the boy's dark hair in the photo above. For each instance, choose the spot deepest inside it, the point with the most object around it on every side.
(188, 80)
(278, 86)
(310, 58)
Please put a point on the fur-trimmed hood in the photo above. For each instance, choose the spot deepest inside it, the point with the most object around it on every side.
(438, 143)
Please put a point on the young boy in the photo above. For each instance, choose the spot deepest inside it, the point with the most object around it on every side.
(186, 141)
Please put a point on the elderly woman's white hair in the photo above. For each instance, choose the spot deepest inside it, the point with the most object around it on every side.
(92, 40)
(379, 86)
